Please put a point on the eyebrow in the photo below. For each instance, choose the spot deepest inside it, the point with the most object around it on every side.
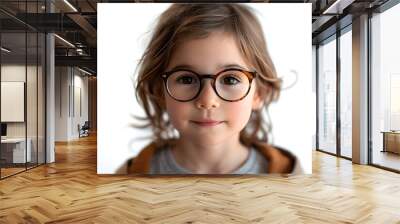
(220, 67)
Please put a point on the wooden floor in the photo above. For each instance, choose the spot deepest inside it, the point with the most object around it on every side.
(8, 171)
(5, 172)
(70, 191)
(388, 159)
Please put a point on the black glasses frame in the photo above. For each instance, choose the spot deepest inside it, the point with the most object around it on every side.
(250, 75)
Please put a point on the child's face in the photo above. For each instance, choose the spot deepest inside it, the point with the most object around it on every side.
(208, 56)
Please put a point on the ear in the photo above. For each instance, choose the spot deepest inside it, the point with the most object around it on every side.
(258, 100)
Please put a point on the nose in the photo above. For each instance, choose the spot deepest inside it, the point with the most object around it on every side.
(207, 98)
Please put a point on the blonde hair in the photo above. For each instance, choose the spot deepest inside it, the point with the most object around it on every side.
(184, 21)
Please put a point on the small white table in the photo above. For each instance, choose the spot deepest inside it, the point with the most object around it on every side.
(19, 149)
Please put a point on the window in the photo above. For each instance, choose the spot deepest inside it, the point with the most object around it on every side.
(327, 96)
(385, 88)
(346, 93)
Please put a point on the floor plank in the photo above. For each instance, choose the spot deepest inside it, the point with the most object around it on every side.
(70, 191)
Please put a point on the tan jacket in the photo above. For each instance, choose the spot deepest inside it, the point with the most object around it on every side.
(279, 160)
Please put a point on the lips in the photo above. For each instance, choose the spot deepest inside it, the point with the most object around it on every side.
(207, 122)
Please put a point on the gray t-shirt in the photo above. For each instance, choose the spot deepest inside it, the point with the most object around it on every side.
(164, 162)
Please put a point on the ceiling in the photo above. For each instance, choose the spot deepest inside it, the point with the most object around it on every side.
(76, 22)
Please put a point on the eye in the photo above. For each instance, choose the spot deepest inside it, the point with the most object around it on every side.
(186, 79)
(230, 80)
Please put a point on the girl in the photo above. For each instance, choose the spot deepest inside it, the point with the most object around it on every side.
(204, 80)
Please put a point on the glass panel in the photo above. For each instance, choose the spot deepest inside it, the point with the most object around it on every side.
(41, 98)
(327, 96)
(346, 94)
(31, 100)
(13, 87)
(386, 89)
(32, 87)
(314, 88)
(23, 84)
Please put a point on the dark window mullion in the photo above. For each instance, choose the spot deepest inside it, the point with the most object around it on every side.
(37, 90)
(26, 86)
(338, 98)
(0, 95)
(369, 90)
(317, 94)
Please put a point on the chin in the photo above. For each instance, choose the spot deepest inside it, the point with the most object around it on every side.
(207, 139)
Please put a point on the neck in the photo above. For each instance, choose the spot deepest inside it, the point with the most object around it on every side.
(219, 158)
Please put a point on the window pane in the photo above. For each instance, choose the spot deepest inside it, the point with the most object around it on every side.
(386, 88)
(31, 101)
(14, 150)
(346, 94)
(41, 98)
(327, 96)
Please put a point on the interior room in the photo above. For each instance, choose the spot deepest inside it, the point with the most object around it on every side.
(48, 151)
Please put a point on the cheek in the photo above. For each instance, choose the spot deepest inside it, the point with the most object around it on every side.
(176, 111)
(238, 113)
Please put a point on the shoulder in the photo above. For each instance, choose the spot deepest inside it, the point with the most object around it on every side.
(280, 160)
(141, 164)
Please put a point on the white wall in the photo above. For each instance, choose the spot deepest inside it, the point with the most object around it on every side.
(80, 83)
(71, 94)
(61, 103)
(15, 72)
(33, 126)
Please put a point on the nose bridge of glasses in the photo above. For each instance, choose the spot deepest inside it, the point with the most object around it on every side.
(205, 77)
(204, 85)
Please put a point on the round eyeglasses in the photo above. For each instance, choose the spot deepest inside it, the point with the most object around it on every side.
(231, 84)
